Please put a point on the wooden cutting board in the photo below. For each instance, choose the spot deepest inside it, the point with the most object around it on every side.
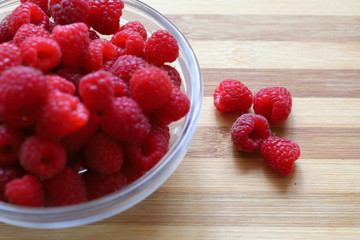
(311, 47)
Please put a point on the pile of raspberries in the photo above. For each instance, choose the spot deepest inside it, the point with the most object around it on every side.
(82, 116)
(251, 132)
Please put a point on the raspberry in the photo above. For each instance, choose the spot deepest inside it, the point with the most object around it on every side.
(104, 154)
(71, 75)
(150, 87)
(69, 11)
(61, 84)
(173, 74)
(107, 65)
(137, 27)
(131, 172)
(129, 41)
(61, 115)
(93, 35)
(105, 15)
(232, 96)
(9, 56)
(41, 53)
(42, 157)
(99, 185)
(146, 154)
(161, 47)
(29, 30)
(8, 174)
(280, 154)
(125, 66)
(120, 87)
(27, 13)
(175, 108)
(99, 52)
(25, 191)
(249, 131)
(10, 143)
(274, 103)
(125, 121)
(5, 34)
(43, 4)
(23, 91)
(73, 40)
(162, 129)
(97, 90)
(65, 188)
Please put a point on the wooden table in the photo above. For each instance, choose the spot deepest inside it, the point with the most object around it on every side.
(312, 48)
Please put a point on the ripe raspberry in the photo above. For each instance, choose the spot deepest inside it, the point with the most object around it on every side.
(8, 174)
(99, 185)
(61, 84)
(29, 30)
(10, 143)
(146, 154)
(232, 96)
(69, 11)
(125, 121)
(161, 47)
(173, 74)
(131, 172)
(70, 75)
(93, 35)
(99, 52)
(61, 115)
(108, 65)
(41, 53)
(274, 103)
(150, 87)
(9, 56)
(280, 154)
(73, 40)
(5, 34)
(125, 66)
(65, 188)
(249, 131)
(137, 27)
(42, 157)
(105, 15)
(25, 191)
(162, 129)
(175, 108)
(27, 13)
(120, 87)
(43, 4)
(129, 41)
(97, 90)
(23, 91)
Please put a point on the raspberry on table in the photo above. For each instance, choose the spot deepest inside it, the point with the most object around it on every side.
(125, 66)
(105, 15)
(43, 4)
(42, 157)
(125, 121)
(129, 41)
(61, 84)
(151, 87)
(249, 131)
(29, 30)
(161, 47)
(10, 143)
(99, 185)
(8, 174)
(280, 154)
(232, 96)
(9, 56)
(274, 103)
(99, 52)
(25, 191)
(65, 188)
(5, 34)
(69, 11)
(173, 74)
(136, 26)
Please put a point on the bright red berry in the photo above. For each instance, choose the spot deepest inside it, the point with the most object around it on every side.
(162, 129)
(43, 4)
(99, 52)
(129, 41)
(8, 174)
(120, 87)
(71, 75)
(9, 56)
(137, 27)
(29, 30)
(125, 66)
(61, 84)
(10, 143)
(173, 74)
(69, 11)
(249, 131)
(5, 34)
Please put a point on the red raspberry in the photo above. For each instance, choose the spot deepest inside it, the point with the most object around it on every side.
(108, 65)
(41, 53)
(69, 11)
(232, 96)
(280, 154)
(175, 108)
(61, 84)
(249, 131)
(25, 191)
(137, 27)
(173, 74)
(43, 4)
(97, 90)
(9, 56)
(27, 13)
(99, 185)
(125, 66)
(99, 52)
(125, 121)
(150, 87)
(93, 35)
(65, 188)
(8, 174)
(42, 157)
(146, 154)
(29, 30)
(120, 87)
(161, 47)
(129, 41)
(105, 15)
(71, 75)
(131, 172)
(73, 40)
(274, 103)
(162, 129)
(23, 91)
(61, 115)
(5, 34)
(10, 143)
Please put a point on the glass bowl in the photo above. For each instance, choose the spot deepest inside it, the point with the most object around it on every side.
(181, 134)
